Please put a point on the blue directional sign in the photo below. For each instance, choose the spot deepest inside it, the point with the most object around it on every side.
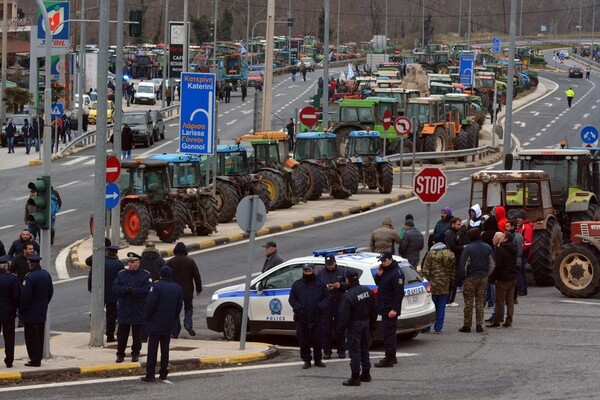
(466, 68)
(57, 110)
(589, 134)
(113, 195)
(496, 45)
(197, 113)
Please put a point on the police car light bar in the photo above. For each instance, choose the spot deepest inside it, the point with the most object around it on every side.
(335, 251)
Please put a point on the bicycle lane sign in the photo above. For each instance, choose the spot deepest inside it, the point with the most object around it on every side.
(197, 113)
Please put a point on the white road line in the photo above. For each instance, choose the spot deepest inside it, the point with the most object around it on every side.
(61, 263)
(21, 198)
(173, 125)
(67, 184)
(6, 226)
(525, 144)
(539, 134)
(66, 211)
(90, 162)
(76, 160)
(238, 278)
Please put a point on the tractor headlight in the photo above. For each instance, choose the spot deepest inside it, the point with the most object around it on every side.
(191, 191)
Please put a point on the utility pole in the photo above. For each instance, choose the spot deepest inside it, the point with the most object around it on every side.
(289, 33)
(4, 58)
(459, 16)
(469, 27)
(510, 73)
(267, 98)
(422, 23)
(81, 66)
(325, 97)
(186, 39)
(165, 60)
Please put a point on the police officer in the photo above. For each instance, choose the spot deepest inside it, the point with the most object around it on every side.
(390, 282)
(358, 314)
(131, 286)
(570, 94)
(36, 294)
(112, 266)
(309, 299)
(10, 292)
(165, 302)
(334, 277)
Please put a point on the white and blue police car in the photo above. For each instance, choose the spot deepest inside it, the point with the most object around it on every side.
(270, 313)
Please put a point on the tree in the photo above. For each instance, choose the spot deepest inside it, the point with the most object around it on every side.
(202, 28)
(321, 35)
(225, 26)
(428, 30)
(16, 99)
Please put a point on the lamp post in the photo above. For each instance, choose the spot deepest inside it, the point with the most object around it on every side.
(165, 59)
(423, 23)
(4, 57)
(469, 27)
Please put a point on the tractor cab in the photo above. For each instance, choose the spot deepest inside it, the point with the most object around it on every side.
(364, 143)
(315, 146)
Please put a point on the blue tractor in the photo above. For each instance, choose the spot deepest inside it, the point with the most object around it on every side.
(364, 149)
(186, 179)
(318, 153)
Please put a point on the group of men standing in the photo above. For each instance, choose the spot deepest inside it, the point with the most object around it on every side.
(146, 298)
(332, 310)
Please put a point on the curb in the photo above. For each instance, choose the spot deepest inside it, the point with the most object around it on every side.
(270, 353)
(74, 255)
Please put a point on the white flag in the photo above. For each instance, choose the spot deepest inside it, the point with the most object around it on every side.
(242, 49)
(350, 73)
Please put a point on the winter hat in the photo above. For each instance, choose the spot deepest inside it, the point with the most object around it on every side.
(180, 249)
(166, 272)
(409, 217)
(387, 221)
(522, 214)
(448, 211)
(410, 223)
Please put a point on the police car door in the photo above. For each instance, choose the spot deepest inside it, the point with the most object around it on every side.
(270, 307)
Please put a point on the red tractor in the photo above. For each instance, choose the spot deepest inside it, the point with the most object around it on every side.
(577, 268)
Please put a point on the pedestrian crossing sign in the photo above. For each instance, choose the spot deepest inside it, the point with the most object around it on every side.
(56, 110)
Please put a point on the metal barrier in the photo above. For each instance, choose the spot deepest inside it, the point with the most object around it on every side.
(457, 156)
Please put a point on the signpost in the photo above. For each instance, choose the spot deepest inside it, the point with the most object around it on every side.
(495, 45)
(402, 126)
(466, 68)
(430, 186)
(308, 116)
(197, 111)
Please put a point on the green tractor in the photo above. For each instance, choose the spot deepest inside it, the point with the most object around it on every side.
(287, 181)
(467, 107)
(186, 179)
(364, 150)
(318, 153)
(149, 203)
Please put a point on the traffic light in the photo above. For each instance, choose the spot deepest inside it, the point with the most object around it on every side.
(135, 30)
(42, 201)
(290, 22)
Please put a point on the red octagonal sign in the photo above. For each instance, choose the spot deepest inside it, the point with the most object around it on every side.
(308, 116)
(430, 185)
(113, 169)
(387, 120)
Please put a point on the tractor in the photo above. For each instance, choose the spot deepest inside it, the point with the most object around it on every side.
(434, 129)
(364, 150)
(527, 190)
(234, 181)
(574, 183)
(287, 181)
(148, 203)
(185, 178)
(468, 107)
(318, 153)
(577, 268)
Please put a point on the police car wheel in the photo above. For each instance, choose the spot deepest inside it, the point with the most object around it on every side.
(232, 324)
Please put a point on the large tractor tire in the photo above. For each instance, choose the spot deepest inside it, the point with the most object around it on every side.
(437, 142)
(577, 271)
(544, 249)
(473, 130)
(591, 214)
(135, 223)
(350, 177)
(260, 188)
(317, 181)
(300, 181)
(386, 178)
(341, 137)
(208, 211)
(275, 188)
(179, 214)
(227, 199)
(463, 140)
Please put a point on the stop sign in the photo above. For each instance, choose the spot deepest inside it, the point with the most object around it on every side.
(430, 185)
(387, 119)
(308, 116)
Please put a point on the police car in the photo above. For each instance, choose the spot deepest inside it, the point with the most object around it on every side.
(270, 311)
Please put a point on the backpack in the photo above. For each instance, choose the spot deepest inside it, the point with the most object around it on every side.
(56, 202)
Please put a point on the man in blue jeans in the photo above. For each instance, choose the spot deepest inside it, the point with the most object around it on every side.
(186, 274)
(11, 131)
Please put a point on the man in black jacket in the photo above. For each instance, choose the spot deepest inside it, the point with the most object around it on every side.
(152, 261)
(454, 240)
(505, 279)
(358, 315)
(390, 283)
(10, 292)
(334, 277)
(186, 274)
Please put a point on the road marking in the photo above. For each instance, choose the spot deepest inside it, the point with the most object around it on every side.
(67, 184)
(153, 149)
(171, 125)
(246, 111)
(535, 113)
(238, 278)
(580, 302)
(521, 123)
(525, 144)
(538, 134)
(61, 263)
(21, 198)
(66, 211)
(6, 226)
(90, 162)
(76, 160)
(586, 115)
(231, 122)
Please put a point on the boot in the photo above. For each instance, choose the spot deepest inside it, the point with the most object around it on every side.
(384, 363)
(353, 381)
(366, 375)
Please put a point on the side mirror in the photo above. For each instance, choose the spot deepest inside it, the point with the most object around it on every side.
(260, 287)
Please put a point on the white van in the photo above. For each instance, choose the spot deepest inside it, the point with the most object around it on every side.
(144, 93)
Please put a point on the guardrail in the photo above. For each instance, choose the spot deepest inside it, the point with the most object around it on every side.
(456, 156)
(88, 139)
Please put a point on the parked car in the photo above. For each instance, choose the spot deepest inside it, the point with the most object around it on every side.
(110, 111)
(87, 101)
(159, 125)
(144, 93)
(18, 120)
(141, 126)
(575, 72)
(269, 310)
(255, 77)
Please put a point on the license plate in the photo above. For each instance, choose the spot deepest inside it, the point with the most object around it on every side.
(412, 299)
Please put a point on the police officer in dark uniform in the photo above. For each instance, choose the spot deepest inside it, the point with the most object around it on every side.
(165, 302)
(10, 292)
(390, 282)
(335, 277)
(131, 286)
(309, 299)
(112, 266)
(36, 294)
(357, 316)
